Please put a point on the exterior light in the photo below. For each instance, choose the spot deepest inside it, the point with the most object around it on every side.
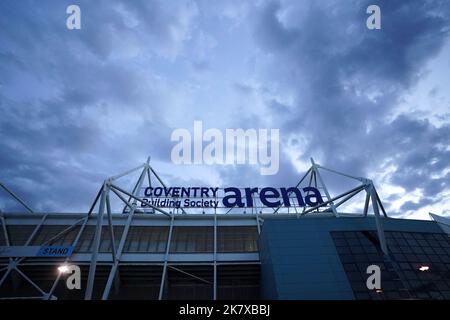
(424, 268)
(379, 291)
(63, 269)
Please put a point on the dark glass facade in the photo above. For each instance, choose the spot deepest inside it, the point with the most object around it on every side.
(401, 277)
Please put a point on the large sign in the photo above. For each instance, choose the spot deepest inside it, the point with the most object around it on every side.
(208, 197)
(35, 251)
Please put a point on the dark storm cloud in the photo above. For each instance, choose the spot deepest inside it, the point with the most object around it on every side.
(79, 106)
(74, 110)
(410, 206)
(349, 78)
(422, 154)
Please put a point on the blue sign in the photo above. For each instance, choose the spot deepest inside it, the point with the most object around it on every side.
(205, 197)
(55, 251)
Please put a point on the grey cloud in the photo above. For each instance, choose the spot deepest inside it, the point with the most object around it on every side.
(71, 115)
(410, 206)
(80, 106)
(337, 66)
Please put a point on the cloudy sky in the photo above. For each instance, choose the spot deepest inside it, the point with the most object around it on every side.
(77, 106)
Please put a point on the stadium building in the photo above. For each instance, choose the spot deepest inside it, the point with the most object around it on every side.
(293, 250)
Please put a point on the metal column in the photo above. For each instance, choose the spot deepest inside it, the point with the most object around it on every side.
(97, 238)
(215, 259)
(166, 258)
(325, 189)
(378, 221)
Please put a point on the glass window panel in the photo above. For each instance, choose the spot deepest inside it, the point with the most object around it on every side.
(46, 233)
(406, 249)
(411, 257)
(371, 249)
(434, 258)
(417, 250)
(360, 257)
(362, 266)
(439, 250)
(17, 234)
(423, 242)
(354, 276)
(410, 275)
(407, 235)
(428, 250)
(237, 239)
(404, 266)
(350, 267)
(146, 239)
(440, 236)
(444, 244)
(337, 234)
(396, 235)
(192, 239)
(350, 234)
(394, 249)
(356, 250)
(347, 258)
(343, 250)
(353, 242)
(399, 257)
(373, 257)
(340, 242)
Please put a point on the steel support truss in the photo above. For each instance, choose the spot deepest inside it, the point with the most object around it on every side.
(102, 202)
(331, 204)
(131, 199)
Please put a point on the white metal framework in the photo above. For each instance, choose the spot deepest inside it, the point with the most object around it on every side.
(101, 210)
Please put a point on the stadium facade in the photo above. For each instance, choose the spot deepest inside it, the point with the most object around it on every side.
(294, 251)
